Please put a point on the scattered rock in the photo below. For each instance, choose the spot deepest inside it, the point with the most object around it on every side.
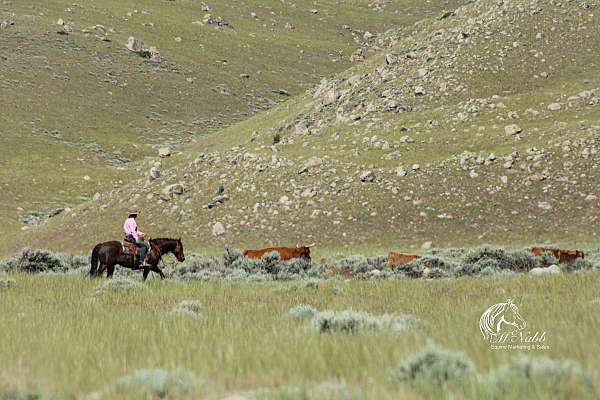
(544, 205)
(512, 129)
(218, 229)
(39, 217)
(210, 20)
(419, 91)
(164, 152)
(391, 59)
(551, 270)
(313, 162)
(137, 46)
(554, 106)
(400, 171)
(367, 176)
(7, 23)
(154, 173)
(173, 190)
(331, 97)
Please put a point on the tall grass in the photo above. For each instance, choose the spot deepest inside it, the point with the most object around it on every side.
(58, 341)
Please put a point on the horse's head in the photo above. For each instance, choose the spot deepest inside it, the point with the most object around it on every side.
(512, 316)
(178, 252)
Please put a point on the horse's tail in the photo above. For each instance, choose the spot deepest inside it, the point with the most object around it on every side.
(94, 261)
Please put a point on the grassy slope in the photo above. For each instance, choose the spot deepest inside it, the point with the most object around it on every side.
(73, 104)
(62, 342)
(398, 212)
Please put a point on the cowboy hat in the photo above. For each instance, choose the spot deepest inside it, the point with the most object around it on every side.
(133, 211)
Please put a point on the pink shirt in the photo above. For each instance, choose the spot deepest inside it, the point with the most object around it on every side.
(131, 228)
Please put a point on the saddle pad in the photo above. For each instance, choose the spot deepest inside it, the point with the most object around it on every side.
(130, 248)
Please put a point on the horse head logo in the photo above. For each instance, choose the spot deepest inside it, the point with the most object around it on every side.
(501, 318)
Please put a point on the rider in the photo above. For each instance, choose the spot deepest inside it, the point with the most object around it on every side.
(133, 235)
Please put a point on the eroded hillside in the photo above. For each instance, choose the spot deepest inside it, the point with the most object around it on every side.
(79, 110)
(478, 125)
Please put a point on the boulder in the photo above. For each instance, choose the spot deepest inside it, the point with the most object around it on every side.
(551, 270)
(164, 151)
(367, 176)
(512, 129)
(330, 97)
(6, 23)
(391, 59)
(313, 162)
(173, 190)
(218, 229)
(554, 106)
(154, 173)
(136, 45)
(400, 171)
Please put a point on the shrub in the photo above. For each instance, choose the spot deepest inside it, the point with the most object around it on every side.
(547, 259)
(21, 395)
(36, 261)
(302, 311)
(438, 273)
(349, 321)
(4, 283)
(159, 383)
(295, 266)
(523, 261)
(230, 255)
(526, 376)
(271, 262)
(248, 264)
(436, 267)
(355, 264)
(118, 285)
(578, 265)
(494, 253)
(189, 308)
(434, 365)
(276, 138)
(491, 260)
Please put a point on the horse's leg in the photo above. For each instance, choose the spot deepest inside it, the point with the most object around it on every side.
(110, 271)
(156, 269)
(101, 269)
(146, 272)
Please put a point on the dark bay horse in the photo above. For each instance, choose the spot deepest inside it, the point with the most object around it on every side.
(109, 254)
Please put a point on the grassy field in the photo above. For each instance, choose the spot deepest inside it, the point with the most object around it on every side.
(61, 341)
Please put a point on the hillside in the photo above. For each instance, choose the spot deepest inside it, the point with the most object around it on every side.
(478, 125)
(79, 110)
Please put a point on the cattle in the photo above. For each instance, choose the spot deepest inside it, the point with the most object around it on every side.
(395, 259)
(285, 253)
(562, 255)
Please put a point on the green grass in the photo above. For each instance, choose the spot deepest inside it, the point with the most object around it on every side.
(59, 340)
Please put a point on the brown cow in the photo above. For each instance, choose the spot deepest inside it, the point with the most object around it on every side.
(285, 253)
(562, 255)
(395, 259)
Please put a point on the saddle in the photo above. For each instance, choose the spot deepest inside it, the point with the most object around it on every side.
(131, 248)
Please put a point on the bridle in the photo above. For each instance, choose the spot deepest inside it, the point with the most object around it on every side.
(160, 254)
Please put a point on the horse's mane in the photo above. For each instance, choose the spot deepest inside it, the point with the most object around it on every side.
(487, 322)
(162, 239)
